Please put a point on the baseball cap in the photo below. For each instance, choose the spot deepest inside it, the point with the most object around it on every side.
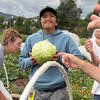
(48, 9)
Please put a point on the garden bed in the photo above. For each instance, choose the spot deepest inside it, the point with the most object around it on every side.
(19, 84)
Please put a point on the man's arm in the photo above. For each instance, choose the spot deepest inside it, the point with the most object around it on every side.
(24, 59)
(91, 70)
(71, 61)
(72, 48)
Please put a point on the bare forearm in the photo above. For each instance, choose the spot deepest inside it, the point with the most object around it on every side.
(94, 59)
(91, 70)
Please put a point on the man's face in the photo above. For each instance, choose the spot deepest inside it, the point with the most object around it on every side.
(48, 21)
(97, 10)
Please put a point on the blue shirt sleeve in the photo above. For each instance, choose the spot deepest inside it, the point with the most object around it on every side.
(24, 59)
(72, 48)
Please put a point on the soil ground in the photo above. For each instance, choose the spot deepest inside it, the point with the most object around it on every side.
(20, 83)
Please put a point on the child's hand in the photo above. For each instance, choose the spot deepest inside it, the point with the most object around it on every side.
(89, 46)
(33, 59)
(55, 57)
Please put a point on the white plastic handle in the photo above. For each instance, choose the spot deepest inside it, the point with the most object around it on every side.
(39, 72)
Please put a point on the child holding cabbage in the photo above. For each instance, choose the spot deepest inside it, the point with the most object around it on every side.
(51, 85)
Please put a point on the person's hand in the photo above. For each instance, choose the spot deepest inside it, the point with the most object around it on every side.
(94, 24)
(91, 26)
(33, 59)
(70, 60)
(55, 57)
(94, 17)
(89, 46)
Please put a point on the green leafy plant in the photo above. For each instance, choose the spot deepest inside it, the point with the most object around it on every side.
(43, 51)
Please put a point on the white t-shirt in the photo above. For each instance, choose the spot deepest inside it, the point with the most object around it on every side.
(96, 85)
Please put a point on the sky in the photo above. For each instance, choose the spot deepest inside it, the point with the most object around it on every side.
(31, 8)
(86, 6)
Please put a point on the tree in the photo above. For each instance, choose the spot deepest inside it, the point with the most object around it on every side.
(27, 26)
(19, 24)
(81, 29)
(19, 21)
(88, 16)
(68, 14)
(1, 22)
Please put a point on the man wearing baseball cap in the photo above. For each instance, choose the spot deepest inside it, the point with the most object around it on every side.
(46, 9)
(49, 9)
(51, 85)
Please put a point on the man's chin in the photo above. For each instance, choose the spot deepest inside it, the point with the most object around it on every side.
(48, 27)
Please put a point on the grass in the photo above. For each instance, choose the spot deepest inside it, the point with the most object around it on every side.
(0, 36)
(82, 40)
(24, 37)
(81, 85)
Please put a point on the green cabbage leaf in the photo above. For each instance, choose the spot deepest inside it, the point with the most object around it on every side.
(43, 51)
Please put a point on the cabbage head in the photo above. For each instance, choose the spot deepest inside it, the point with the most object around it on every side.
(43, 51)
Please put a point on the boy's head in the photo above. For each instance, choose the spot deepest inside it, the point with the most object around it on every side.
(48, 14)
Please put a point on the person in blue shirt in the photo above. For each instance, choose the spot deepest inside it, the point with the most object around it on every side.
(51, 85)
